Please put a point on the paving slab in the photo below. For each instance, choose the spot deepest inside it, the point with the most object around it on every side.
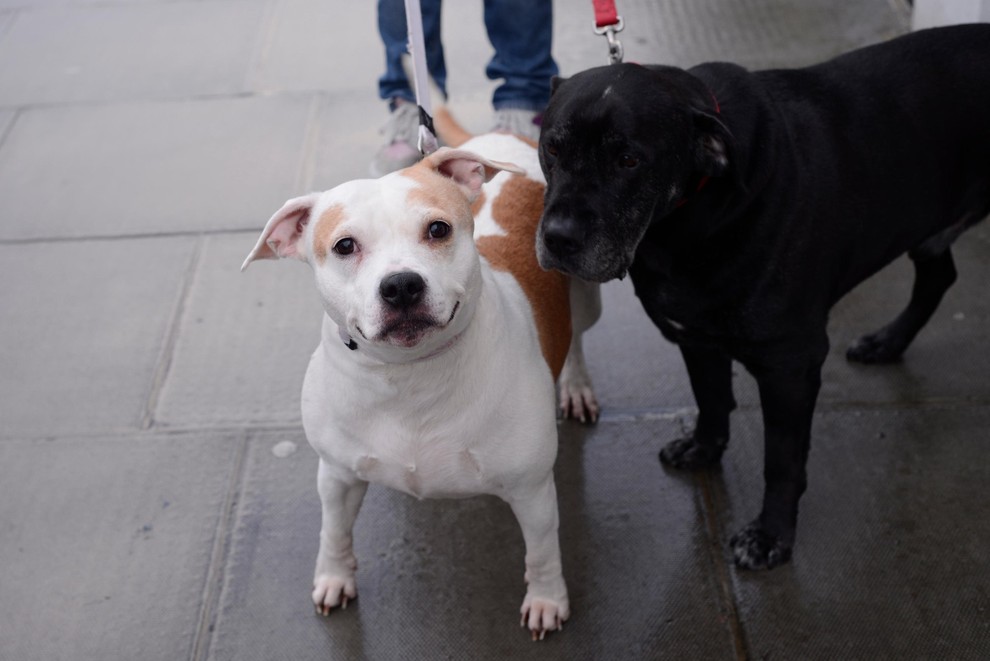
(144, 168)
(443, 578)
(83, 328)
(120, 52)
(244, 340)
(107, 544)
(348, 132)
(891, 551)
(307, 46)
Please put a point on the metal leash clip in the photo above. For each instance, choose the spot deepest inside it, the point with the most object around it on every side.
(615, 51)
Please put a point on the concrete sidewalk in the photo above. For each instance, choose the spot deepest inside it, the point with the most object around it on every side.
(152, 506)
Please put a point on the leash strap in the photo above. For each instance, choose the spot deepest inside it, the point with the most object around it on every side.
(609, 23)
(605, 13)
(427, 143)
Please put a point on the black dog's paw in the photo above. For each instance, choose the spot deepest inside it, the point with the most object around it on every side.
(876, 348)
(755, 548)
(687, 453)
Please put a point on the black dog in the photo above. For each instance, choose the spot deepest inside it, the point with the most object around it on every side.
(745, 204)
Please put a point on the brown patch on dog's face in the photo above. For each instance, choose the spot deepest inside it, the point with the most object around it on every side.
(517, 210)
(440, 196)
(323, 231)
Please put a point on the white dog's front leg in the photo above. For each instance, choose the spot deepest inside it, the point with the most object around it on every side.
(333, 582)
(577, 397)
(546, 606)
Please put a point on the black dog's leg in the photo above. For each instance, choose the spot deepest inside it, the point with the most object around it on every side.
(711, 381)
(933, 275)
(788, 402)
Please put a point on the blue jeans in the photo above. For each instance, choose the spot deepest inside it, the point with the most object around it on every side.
(520, 31)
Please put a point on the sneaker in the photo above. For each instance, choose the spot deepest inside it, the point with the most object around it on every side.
(524, 123)
(401, 136)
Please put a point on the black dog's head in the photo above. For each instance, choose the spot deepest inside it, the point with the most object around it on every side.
(621, 145)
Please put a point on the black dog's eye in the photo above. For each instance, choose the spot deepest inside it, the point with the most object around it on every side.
(628, 161)
(551, 151)
(438, 229)
(345, 246)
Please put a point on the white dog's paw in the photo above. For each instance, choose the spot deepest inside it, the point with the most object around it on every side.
(331, 591)
(577, 399)
(543, 615)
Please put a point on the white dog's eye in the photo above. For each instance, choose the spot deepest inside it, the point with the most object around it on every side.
(345, 246)
(438, 229)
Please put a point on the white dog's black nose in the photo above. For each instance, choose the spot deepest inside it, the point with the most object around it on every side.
(402, 290)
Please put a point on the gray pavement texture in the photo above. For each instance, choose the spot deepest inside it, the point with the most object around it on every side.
(151, 507)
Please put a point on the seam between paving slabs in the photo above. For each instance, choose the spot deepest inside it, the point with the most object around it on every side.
(726, 594)
(7, 19)
(129, 236)
(263, 43)
(15, 115)
(216, 573)
(311, 145)
(163, 365)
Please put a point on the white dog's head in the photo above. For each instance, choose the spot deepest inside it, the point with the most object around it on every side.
(394, 258)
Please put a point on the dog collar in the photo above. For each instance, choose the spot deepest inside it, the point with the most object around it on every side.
(347, 339)
(352, 345)
(704, 179)
(701, 184)
(451, 342)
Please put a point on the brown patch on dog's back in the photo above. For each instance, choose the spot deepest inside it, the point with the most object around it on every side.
(448, 128)
(529, 141)
(325, 226)
(517, 210)
(478, 204)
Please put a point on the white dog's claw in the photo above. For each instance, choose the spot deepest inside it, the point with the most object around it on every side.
(579, 403)
(331, 592)
(542, 616)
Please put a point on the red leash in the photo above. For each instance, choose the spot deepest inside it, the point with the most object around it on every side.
(605, 13)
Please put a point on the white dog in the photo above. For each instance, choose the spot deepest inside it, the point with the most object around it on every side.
(436, 368)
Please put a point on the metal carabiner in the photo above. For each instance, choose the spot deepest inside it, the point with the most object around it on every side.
(615, 51)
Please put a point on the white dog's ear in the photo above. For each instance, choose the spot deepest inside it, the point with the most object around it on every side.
(281, 235)
(466, 169)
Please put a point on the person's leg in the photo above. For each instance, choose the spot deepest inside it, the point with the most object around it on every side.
(401, 130)
(521, 32)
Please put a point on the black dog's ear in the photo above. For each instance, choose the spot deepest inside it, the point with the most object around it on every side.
(713, 144)
(555, 82)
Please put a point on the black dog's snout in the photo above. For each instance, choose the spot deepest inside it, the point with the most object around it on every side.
(562, 237)
(402, 290)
